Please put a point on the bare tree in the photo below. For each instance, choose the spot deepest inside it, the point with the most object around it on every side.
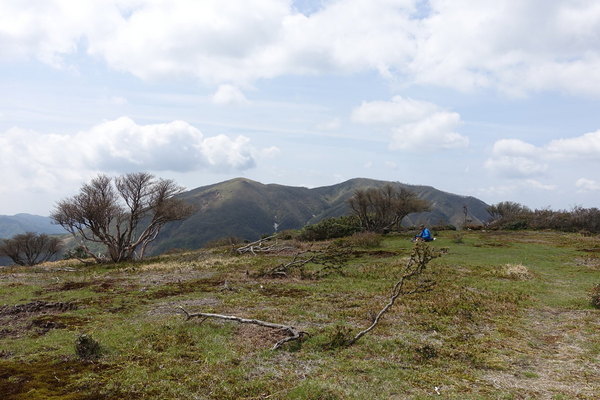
(379, 209)
(125, 213)
(30, 248)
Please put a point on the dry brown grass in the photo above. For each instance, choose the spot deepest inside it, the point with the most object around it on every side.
(518, 272)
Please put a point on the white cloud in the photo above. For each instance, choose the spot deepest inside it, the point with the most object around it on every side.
(270, 152)
(515, 158)
(513, 46)
(514, 148)
(434, 132)
(515, 167)
(229, 94)
(399, 110)
(587, 185)
(587, 145)
(32, 160)
(539, 185)
(414, 124)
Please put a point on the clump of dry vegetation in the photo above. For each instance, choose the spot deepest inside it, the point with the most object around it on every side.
(517, 272)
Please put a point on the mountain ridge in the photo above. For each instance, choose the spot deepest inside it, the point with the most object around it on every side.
(11, 225)
(246, 209)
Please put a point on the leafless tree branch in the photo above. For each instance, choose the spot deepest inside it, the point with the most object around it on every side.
(292, 332)
(420, 257)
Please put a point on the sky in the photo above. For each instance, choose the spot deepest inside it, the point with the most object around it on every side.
(497, 99)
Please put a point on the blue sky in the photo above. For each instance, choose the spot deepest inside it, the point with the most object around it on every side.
(494, 99)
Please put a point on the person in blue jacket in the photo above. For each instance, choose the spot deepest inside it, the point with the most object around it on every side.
(425, 234)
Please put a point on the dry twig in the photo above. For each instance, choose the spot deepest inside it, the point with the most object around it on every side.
(292, 332)
(419, 258)
(331, 259)
(260, 247)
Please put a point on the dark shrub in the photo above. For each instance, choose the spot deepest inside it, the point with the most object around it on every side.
(87, 348)
(331, 228)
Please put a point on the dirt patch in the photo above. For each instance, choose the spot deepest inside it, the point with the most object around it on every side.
(591, 250)
(592, 262)
(37, 317)
(148, 278)
(44, 380)
(72, 286)
(257, 337)
(98, 286)
(37, 307)
(46, 323)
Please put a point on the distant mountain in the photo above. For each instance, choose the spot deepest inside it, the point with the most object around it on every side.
(11, 225)
(247, 209)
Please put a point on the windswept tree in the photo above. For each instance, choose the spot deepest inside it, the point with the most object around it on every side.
(379, 209)
(125, 213)
(30, 248)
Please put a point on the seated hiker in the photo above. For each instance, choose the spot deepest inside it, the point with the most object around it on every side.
(425, 234)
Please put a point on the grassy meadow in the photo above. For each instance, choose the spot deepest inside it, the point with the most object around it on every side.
(509, 317)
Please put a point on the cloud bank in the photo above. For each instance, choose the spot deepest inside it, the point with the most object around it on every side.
(515, 158)
(515, 47)
(414, 124)
(37, 160)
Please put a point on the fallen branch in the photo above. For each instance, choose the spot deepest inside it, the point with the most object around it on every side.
(259, 247)
(331, 259)
(293, 333)
(419, 258)
(297, 262)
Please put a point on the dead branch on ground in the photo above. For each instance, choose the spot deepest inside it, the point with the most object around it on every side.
(260, 246)
(292, 332)
(331, 259)
(419, 258)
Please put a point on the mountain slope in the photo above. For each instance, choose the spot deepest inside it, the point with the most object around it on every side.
(240, 208)
(11, 225)
(247, 209)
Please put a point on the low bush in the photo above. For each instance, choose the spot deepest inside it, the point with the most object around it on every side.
(288, 234)
(87, 348)
(441, 228)
(331, 228)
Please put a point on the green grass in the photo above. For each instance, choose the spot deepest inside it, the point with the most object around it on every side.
(509, 317)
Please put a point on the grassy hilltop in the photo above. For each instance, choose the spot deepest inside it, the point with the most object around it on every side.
(509, 318)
